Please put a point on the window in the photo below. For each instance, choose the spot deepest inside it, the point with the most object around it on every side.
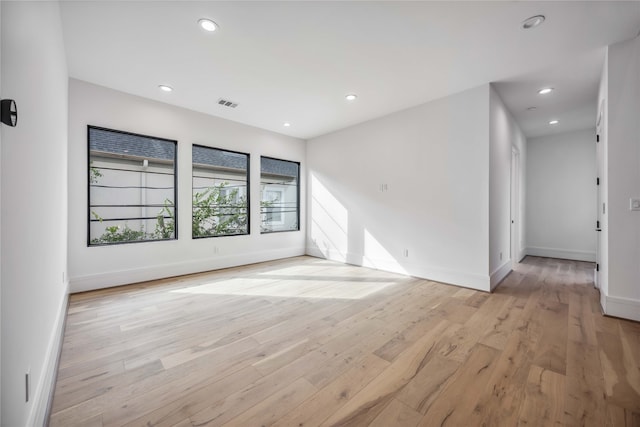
(280, 195)
(132, 187)
(220, 198)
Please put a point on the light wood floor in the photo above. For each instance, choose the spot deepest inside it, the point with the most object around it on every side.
(307, 342)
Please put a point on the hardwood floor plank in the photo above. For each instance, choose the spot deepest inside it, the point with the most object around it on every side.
(219, 412)
(397, 414)
(365, 406)
(620, 371)
(313, 411)
(194, 401)
(552, 350)
(585, 394)
(184, 423)
(581, 325)
(504, 392)
(427, 385)
(306, 342)
(77, 414)
(269, 410)
(544, 398)
(501, 329)
(621, 417)
(405, 337)
(456, 405)
(340, 358)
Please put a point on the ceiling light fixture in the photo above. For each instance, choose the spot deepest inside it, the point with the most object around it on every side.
(545, 90)
(553, 122)
(533, 22)
(208, 24)
(351, 97)
(165, 88)
(286, 124)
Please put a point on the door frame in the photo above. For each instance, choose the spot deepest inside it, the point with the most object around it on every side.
(599, 185)
(514, 201)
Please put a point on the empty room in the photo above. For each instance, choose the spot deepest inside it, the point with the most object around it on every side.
(319, 213)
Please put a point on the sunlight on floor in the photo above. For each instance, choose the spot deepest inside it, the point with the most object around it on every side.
(300, 282)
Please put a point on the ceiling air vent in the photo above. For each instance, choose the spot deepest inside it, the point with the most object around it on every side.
(227, 103)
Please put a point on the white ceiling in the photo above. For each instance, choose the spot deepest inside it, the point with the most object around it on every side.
(295, 61)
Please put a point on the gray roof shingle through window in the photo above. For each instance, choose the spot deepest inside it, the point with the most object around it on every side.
(214, 157)
(127, 144)
(278, 167)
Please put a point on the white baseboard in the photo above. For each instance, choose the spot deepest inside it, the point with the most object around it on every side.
(575, 255)
(43, 393)
(499, 274)
(437, 274)
(315, 252)
(625, 308)
(125, 277)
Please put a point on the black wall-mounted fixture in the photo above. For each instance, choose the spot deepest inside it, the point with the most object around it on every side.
(8, 112)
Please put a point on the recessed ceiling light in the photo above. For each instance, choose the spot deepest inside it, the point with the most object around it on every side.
(351, 97)
(532, 108)
(208, 24)
(286, 124)
(553, 122)
(533, 22)
(545, 90)
(165, 88)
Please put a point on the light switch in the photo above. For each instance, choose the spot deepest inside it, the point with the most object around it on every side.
(634, 204)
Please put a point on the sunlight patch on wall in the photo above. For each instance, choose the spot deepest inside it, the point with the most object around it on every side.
(377, 256)
(329, 222)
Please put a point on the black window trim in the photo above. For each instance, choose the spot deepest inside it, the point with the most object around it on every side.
(297, 195)
(248, 191)
(175, 187)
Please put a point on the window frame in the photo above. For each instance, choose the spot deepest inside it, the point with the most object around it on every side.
(297, 195)
(248, 192)
(88, 182)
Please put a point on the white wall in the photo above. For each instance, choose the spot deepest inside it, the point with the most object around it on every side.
(432, 161)
(34, 201)
(98, 267)
(623, 169)
(561, 195)
(505, 134)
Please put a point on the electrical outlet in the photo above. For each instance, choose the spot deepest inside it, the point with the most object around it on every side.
(500, 256)
(406, 253)
(216, 250)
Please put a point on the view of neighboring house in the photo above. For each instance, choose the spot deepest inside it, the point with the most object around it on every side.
(132, 190)
(279, 195)
(132, 187)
